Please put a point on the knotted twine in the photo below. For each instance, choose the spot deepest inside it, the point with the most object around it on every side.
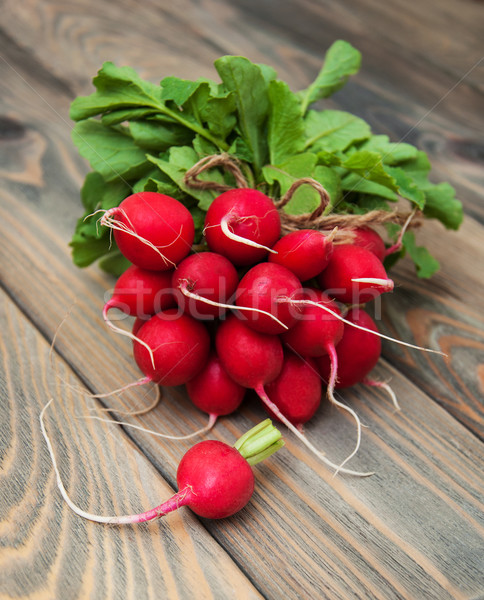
(337, 225)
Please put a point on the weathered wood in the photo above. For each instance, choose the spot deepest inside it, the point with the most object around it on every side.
(49, 552)
(414, 530)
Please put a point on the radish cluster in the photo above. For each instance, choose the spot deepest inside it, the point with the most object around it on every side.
(257, 310)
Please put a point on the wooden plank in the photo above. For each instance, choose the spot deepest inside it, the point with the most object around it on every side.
(47, 551)
(338, 536)
(415, 529)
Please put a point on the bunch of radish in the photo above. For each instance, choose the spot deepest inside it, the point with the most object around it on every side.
(281, 315)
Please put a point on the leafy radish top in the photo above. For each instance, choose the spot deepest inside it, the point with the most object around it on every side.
(148, 136)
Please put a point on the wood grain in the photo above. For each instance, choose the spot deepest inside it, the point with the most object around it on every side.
(415, 529)
(46, 550)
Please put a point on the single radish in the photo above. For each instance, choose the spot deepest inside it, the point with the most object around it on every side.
(214, 480)
(297, 389)
(254, 359)
(316, 330)
(179, 345)
(368, 238)
(141, 293)
(204, 283)
(317, 333)
(358, 351)
(354, 275)
(261, 288)
(152, 230)
(305, 252)
(213, 391)
(243, 225)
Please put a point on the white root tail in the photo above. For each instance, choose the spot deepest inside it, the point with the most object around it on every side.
(384, 386)
(377, 333)
(273, 407)
(136, 413)
(126, 333)
(330, 393)
(108, 220)
(184, 290)
(224, 224)
(212, 419)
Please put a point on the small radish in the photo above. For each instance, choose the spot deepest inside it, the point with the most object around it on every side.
(203, 284)
(153, 231)
(297, 389)
(317, 333)
(214, 480)
(141, 293)
(243, 225)
(316, 329)
(354, 275)
(213, 391)
(262, 288)
(358, 351)
(254, 359)
(368, 238)
(179, 345)
(305, 252)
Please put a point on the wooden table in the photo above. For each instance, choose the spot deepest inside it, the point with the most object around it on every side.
(414, 529)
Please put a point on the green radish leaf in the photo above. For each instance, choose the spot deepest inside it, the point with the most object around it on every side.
(333, 130)
(117, 87)
(286, 126)
(407, 188)
(355, 183)
(341, 61)
(425, 264)
(178, 90)
(249, 86)
(111, 152)
(391, 153)
(153, 135)
(115, 117)
(369, 166)
(441, 204)
(177, 163)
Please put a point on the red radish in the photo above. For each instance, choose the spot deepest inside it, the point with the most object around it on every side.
(297, 389)
(153, 231)
(141, 293)
(368, 238)
(179, 344)
(242, 224)
(239, 346)
(354, 275)
(138, 322)
(305, 252)
(317, 333)
(207, 275)
(358, 351)
(254, 359)
(316, 329)
(261, 288)
(214, 479)
(213, 391)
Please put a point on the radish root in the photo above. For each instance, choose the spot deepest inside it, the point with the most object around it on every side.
(224, 225)
(268, 402)
(381, 335)
(126, 333)
(179, 499)
(183, 287)
(385, 386)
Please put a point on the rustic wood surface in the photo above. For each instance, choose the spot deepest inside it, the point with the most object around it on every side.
(413, 530)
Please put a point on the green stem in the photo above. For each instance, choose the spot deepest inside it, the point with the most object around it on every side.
(259, 442)
(194, 127)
